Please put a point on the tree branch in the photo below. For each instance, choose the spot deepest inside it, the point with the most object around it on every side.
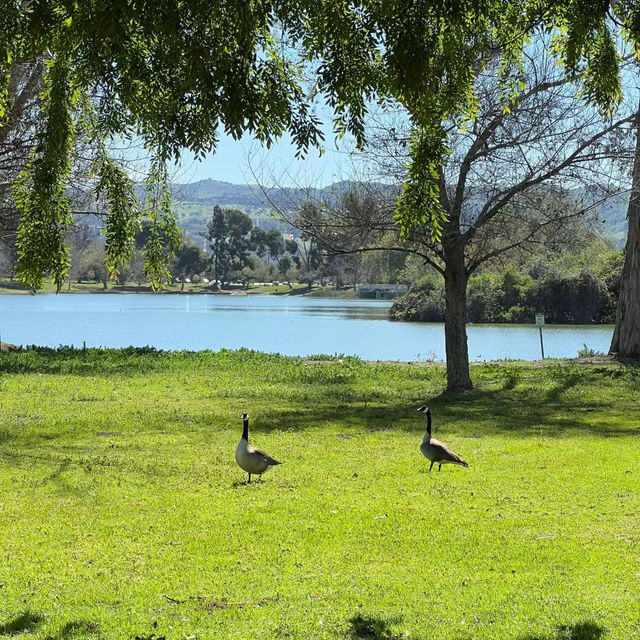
(489, 210)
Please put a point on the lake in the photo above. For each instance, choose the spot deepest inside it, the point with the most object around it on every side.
(288, 325)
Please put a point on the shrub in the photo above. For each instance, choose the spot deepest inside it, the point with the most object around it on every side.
(587, 352)
(483, 298)
(420, 306)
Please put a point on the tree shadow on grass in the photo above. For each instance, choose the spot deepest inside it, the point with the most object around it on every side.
(76, 630)
(525, 413)
(24, 622)
(517, 400)
(508, 400)
(563, 383)
(478, 413)
(366, 627)
(579, 631)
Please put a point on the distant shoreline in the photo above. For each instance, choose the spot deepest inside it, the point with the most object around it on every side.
(266, 290)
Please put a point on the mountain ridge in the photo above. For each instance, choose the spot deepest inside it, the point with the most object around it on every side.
(194, 203)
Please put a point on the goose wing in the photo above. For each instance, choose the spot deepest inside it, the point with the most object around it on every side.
(446, 455)
(266, 457)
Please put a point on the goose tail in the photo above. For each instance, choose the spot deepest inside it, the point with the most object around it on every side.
(456, 459)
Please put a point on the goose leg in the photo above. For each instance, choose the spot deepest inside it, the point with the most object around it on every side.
(249, 479)
(439, 467)
(431, 465)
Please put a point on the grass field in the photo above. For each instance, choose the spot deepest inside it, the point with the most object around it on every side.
(123, 514)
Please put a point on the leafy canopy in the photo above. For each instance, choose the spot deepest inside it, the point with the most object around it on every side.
(230, 233)
(176, 72)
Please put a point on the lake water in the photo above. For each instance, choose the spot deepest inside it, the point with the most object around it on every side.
(288, 325)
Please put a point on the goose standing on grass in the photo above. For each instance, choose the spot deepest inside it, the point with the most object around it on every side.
(253, 461)
(436, 451)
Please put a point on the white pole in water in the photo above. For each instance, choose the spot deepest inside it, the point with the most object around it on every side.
(540, 324)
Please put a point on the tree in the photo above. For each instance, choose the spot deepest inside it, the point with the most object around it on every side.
(284, 267)
(343, 268)
(228, 233)
(269, 244)
(134, 270)
(626, 335)
(16, 139)
(506, 186)
(93, 265)
(170, 73)
(7, 261)
(576, 286)
(309, 257)
(188, 261)
(80, 238)
(146, 62)
(17, 144)
(274, 243)
(216, 230)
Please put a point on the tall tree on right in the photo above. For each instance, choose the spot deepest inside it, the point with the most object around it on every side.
(626, 335)
(517, 176)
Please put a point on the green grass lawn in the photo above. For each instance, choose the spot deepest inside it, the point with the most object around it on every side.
(281, 289)
(123, 514)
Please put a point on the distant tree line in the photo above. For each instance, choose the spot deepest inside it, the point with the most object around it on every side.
(238, 253)
(578, 287)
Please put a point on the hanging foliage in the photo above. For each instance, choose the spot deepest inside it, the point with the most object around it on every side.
(40, 191)
(177, 73)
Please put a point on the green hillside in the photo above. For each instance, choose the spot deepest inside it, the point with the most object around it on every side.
(193, 204)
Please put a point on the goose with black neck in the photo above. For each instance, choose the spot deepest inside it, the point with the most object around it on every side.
(434, 450)
(253, 461)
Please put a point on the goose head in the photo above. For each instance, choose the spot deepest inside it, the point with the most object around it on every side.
(424, 408)
(245, 426)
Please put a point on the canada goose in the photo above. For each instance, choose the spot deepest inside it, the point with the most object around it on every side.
(437, 451)
(252, 460)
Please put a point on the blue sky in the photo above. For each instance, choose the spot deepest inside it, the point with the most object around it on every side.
(246, 162)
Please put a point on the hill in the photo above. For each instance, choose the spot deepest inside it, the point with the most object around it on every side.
(193, 204)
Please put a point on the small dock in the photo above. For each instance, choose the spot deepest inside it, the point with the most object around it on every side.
(381, 291)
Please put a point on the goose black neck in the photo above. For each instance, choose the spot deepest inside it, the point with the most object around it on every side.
(245, 429)
(429, 422)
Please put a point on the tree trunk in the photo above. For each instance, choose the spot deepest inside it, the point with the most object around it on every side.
(455, 319)
(215, 264)
(626, 335)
